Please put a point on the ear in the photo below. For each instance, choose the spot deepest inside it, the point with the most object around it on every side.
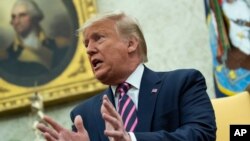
(133, 44)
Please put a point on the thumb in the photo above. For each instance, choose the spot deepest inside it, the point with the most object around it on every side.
(79, 124)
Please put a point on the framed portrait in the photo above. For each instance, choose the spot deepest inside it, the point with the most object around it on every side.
(41, 52)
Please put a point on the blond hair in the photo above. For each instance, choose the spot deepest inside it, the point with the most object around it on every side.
(126, 26)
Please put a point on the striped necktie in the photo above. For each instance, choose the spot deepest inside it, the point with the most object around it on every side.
(126, 107)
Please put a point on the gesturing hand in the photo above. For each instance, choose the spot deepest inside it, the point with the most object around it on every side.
(58, 133)
(114, 126)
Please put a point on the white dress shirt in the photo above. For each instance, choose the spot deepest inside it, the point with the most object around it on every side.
(135, 81)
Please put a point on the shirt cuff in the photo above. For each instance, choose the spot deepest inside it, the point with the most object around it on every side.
(132, 136)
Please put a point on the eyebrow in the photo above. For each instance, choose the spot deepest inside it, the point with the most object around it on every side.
(19, 14)
(91, 36)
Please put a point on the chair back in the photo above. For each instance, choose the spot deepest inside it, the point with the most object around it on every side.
(231, 110)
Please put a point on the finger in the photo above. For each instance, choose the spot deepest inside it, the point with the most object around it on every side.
(113, 133)
(103, 108)
(48, 137)
(54, 124)
(111, 120)
(79, 124)
(107, 99)
(109, 107)
(47, 130)
(111, 111)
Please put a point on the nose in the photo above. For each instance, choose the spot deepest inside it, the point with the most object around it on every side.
(92, 48)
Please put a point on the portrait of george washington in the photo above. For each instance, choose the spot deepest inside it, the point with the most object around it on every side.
(37, 40)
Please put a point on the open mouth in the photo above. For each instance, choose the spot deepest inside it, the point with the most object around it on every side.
(96, 63)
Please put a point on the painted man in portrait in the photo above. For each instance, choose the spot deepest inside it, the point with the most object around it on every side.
(31, 53)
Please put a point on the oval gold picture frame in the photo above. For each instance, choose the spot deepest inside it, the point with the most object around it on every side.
(73, 77)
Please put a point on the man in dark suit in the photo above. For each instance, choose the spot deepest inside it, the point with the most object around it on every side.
(162, 105)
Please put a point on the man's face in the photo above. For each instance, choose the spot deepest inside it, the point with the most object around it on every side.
(107, 51)
(21, 20)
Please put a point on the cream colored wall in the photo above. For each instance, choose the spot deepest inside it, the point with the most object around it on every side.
(176, 35)
(175, 31)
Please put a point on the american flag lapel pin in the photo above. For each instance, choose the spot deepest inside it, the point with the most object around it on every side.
(154, 90)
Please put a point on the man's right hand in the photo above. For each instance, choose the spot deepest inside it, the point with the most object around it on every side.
(59, 133)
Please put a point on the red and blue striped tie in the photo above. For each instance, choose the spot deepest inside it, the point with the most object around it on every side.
(126, 108)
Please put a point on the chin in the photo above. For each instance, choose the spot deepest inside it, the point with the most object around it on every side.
(102, 78)
(99, 76)
(103, 81)
(103, 75)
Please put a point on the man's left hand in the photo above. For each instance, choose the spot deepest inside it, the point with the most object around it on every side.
(113, 122)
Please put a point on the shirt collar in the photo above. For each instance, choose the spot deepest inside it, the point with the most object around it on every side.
(134, 79)
(19, 42)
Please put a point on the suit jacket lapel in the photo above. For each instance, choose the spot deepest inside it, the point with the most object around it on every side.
(98, 118)
(149, 89)
(150, 86)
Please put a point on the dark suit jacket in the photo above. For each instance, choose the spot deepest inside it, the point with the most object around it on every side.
(172, 106)
(13, 66)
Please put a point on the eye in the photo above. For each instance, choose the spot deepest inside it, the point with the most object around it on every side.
(86, 43)
(13, 16)
(98, 38)
(23, 14)
(94, 38)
